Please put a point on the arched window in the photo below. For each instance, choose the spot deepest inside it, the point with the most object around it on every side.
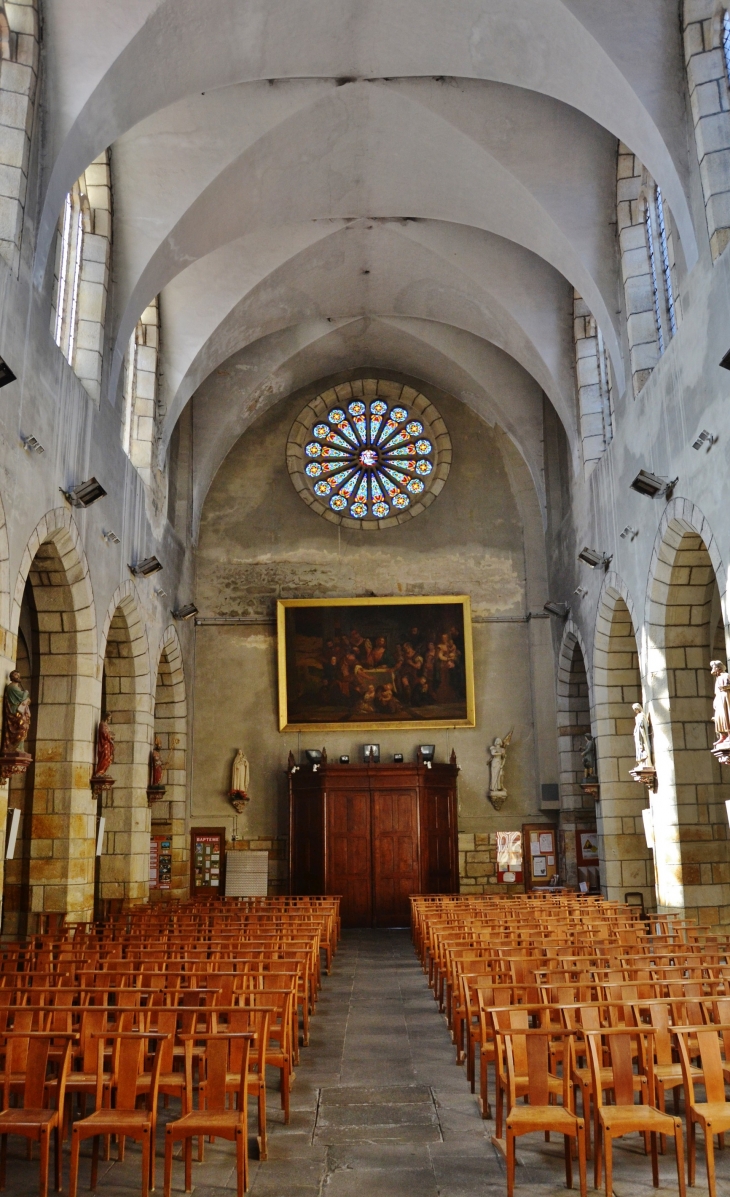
(593, 377)
(83, 248)
(646, 241)
(707, 54)
(18, 79)
(141, 408)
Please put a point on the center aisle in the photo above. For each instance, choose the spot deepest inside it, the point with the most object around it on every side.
(378, 1106)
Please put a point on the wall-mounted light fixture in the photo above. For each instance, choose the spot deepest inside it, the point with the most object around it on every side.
(725, 363)
(32, 445)
(6, 374)
(160, 593)
(705, 438)
(143, 569)
(186, 612)
(84, 494)
(593, 558)
(561, 610)
(629, 533)
(110, 537)
(652, 485)
(580, 591)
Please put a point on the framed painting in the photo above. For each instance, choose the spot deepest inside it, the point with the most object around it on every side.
(375, 663)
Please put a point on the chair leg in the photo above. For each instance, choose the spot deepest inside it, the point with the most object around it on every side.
(710, 1157)
(145, 1162)
(679, 1148)
(240, 1165)
(167, 1182)
(654, 1161)
(510, 1163)
(598, 1157)
(188, 1164)
(691, 1149)
(94, 1162)
(45, 1143)
(74, 1176)
(58, 1138)
(498, 1112)
(263, 1142)
(608, 1149)
(568, 1161)
(582, 1158)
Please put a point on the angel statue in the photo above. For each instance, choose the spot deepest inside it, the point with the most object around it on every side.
(497, 760)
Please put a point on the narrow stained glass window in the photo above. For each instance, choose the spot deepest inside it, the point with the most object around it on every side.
(654, 278)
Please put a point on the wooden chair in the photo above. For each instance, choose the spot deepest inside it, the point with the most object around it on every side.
(124, 1120)
(712, 1114)
(214, 1119)
(540, 1114)
(34, 1121)
(514, 1018)
(624, 1117)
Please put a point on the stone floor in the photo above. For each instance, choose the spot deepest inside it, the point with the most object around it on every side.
(379, 1107)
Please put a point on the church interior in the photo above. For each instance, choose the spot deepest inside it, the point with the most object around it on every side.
(364, 389)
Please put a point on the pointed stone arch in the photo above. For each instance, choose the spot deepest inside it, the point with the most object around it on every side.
(687, 580)
(171, 725)
(123, 868)
(626, 861)
(577, 810)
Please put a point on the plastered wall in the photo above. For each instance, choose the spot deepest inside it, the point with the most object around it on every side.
(260, 542)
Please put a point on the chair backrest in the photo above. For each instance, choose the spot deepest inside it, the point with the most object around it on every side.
(535, 1052)
(621, 1054)
(659, 1015)
(217, 1054)
(708, 1044)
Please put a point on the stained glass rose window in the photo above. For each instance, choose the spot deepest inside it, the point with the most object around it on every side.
(369, 452)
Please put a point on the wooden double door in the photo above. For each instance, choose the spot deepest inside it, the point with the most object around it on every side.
(386, 833)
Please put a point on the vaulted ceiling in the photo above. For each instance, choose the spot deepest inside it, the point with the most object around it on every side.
(311, 185)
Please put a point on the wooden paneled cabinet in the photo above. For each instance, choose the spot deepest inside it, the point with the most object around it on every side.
(375, 834)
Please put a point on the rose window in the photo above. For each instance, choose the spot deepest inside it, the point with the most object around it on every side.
(369, 455)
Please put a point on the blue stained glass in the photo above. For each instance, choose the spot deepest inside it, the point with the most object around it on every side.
(399, 414)
(337, 503)
(362, 490)
(375, 491)
(336, 416)
(314, 469)
(390, 487)
(322, 488)
(378, 408)
(415, 486)
(357, 409)
(321, 430)
(403, 451)
(338, 478)
(345, 429)
(349, 486)
(424, 467)
(402, 479)
(397, 440)
(423, 447)
(375, 422)
(388, 427)
(401, 501)
(334, 439)
(361, 424)
(414, 427)
(313, 449)
(328, 451)
(359, 510)
(380, 510)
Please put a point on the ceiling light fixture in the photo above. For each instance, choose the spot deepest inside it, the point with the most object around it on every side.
(653, 485)
(32, 444)
(593, 558)
(186, 612)
(629, 533)
(705, 438)
(84, 494)
(143, 569)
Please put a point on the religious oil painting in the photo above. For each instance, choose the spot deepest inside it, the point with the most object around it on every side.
(375, 663)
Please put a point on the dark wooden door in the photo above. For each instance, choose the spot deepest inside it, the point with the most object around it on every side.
(395, 855)
(348, 854)
(439, 833)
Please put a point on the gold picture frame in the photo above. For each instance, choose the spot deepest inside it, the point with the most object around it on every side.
(380, 681)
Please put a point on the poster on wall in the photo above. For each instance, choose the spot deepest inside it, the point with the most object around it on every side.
(509, 856)
(375, 663)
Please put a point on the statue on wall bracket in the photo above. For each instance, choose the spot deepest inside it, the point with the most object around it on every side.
(101, 782)
(589, 782)
(645, 770)
(238, 792)
(721, 712)
(16, 725)
(156, 789)
(497, 794)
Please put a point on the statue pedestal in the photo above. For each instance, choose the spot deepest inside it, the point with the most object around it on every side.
(238, 800)
(645, 775)
(12, 763)
(154, 793)
(102, 784)
(590, 786)
(720, 751)
(497, 798)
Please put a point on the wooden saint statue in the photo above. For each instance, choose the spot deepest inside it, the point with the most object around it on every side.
(16, 714)
(104, 746)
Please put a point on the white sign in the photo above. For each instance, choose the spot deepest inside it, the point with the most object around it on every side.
(12, 833)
